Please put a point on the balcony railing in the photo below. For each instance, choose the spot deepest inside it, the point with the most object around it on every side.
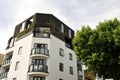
(7, 61)
(3, 75)
(41, 51)
(38, 68)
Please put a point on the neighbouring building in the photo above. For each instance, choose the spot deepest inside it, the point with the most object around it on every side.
(1, 59)
(40, 49)
(88, 75)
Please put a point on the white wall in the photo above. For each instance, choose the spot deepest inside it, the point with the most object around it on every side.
(21, 73)
(54, 44)
(55, 59)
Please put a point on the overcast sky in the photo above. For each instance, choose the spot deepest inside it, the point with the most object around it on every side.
(74, 13)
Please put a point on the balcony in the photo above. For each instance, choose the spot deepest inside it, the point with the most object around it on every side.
(38, 70)
(3, 75)
(43, 32)
(6, 63)
(39, 53)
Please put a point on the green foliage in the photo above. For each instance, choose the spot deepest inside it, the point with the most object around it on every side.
(24, 31)
(99, 48)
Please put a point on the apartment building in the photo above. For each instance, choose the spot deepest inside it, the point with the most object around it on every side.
(40, 49)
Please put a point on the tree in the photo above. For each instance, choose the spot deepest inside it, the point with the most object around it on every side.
(99, 48)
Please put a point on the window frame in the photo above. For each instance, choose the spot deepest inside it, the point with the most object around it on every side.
(40, 45)
(17, 65)
(70, 56)
(69, 33)
(61, 67)
(14, 78)
(20, 50)
(71, 70)
(61, 52)
(62, 28)
(36, 77)
(39, 61)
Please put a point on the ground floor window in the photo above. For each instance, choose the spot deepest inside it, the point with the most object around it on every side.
(37, 78)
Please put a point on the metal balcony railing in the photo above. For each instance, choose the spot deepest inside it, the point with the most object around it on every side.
(41, 51)
(38, 68)
(3, 75)
(7, 61)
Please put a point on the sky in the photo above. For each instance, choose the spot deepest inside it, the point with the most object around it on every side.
(74, 13)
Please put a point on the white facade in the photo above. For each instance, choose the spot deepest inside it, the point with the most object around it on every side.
(54, 44)
(41, 53)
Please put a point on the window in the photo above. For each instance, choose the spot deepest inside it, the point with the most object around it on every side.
(36, 45)
(62, 28)
(61, 67)
(11, 42)
(29, 23)
(20, 51)
(14, 79)
(22, 26)
(39, 62)
(69, 31)
(17, 65)
(37, 78)
(70, 56)
(42, 32)
(61, 52)
(71, 70)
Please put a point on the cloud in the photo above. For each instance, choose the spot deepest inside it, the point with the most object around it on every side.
(74, 13)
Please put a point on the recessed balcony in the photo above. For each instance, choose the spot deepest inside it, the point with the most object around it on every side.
(38, 70)
(43, 32)
(6, 63)
(39, 53)
(3, 75)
